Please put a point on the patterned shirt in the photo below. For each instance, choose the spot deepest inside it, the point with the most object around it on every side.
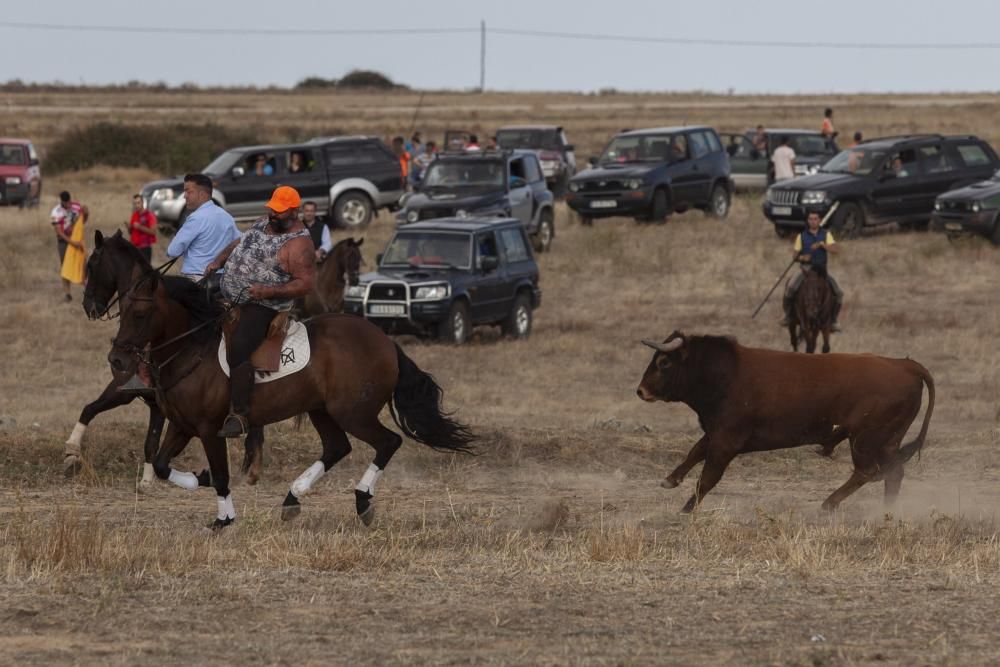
(255, 261)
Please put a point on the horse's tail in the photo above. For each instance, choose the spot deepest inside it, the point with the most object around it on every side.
(416, 409)
(907, 451)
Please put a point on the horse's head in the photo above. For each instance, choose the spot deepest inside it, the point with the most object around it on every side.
(109, 269)
(815, 295)
(351, 259)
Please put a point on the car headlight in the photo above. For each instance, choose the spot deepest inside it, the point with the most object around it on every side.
(813, 197)
(13, 180)
(632, 183)
(461, 213)
(549, 164)
(354, 292)
(412, 216)
(937, 206)
(163, 194)
(431, 292)
(574, 187)
(976, 207)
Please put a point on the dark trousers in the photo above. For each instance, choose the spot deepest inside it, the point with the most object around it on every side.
(147, 252)
(250, 332)
(62, 245)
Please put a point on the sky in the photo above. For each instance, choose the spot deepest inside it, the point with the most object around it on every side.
(515, 62)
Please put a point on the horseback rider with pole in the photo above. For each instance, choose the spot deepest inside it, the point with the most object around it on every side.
(811, 248)
(272, 265)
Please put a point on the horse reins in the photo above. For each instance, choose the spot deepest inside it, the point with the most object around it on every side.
(129, 292)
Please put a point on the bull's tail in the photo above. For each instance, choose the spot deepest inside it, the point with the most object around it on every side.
(416, 409)
(907, 451)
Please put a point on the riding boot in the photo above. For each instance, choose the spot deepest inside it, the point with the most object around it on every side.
(787, 303)
(835, 325)
(240, 386)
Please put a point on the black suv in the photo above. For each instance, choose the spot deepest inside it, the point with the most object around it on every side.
(891, 179)
(485, 184)
(973, 209)
(554, 151)
(348, 177)
(647, 174)
(445, 276)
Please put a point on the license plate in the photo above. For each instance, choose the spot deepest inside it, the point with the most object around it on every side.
(387, 309)
(603, 203)
(953, 226)
(781, 210)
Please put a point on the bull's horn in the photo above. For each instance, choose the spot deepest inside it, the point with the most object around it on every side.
(664, 347)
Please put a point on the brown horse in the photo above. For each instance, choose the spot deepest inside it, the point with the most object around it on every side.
(812, 311)
(354, 371)
(340, 269)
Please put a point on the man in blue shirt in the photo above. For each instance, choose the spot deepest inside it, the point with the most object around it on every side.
(206, 232)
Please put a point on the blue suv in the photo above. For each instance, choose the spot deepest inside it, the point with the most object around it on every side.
(649, 174)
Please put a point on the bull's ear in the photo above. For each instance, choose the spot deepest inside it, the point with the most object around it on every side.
(98, 238)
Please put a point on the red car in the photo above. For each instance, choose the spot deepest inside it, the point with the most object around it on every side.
(20, 176)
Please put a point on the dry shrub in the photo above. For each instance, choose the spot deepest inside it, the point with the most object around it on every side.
(627, 543)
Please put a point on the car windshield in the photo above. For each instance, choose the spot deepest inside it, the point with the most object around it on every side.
(531, 139)
(805, 145)
(638, 148)
(222, 164)
(428, 249)
(859, 161)
(465, 174)
(11, 154)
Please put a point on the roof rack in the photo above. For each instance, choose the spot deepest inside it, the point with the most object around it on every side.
(905, 137)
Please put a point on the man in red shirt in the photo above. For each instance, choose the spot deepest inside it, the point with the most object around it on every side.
(143, 228)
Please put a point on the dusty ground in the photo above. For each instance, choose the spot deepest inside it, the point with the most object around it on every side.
(556, 545)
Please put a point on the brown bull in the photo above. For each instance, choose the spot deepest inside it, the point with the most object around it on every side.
(751, 400)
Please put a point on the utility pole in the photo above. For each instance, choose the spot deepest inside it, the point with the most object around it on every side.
(482, 56)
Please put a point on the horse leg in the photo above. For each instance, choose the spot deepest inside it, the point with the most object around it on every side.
(109, 399)
(335, 447)
(152, 444)
(385, 443)
(694, 457)
(793, 335)
(218, 464)
(174, 442)
(810, 340)
(826, 340)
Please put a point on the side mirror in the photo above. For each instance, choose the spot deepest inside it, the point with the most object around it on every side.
(238, 172)
(33, 162)
(378, 258)
(489, 263)
(569, 148)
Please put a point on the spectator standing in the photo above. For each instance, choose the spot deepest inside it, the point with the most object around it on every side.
(473, 145)
(827, 129)
(492, 144)
(783, 159)
(760, 140)
(423, 160)
(399, 150)
(142, 228)
(207, 231)
(65, 215)
(318, 230)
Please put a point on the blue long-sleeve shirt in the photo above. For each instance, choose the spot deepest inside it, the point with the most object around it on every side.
(206, 233)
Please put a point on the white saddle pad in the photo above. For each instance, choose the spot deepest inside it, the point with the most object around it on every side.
(295, 354)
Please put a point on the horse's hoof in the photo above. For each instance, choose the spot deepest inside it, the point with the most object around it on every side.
(252, 478)
(289, 512)
(670, 483)
(145, 486)
(71, 466)
(368, 515)
(217, 525)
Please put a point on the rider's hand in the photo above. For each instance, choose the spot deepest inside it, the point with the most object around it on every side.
(818, 245)
(212, 267)
(258, 292)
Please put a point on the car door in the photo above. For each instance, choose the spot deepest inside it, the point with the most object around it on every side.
(896, 195)
(700, 149)
(488, 292)
(521, 203)
(939, 169)
(310, 177)
(539, 189)
(515, 259)
(682, 172)
(747, 165)
(247, 191)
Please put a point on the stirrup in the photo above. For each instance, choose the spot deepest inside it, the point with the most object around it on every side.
(135, 386)
(235, 426)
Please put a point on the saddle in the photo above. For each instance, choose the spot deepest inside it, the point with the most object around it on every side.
(267, 356)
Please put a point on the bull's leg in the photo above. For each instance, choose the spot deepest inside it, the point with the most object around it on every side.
(830, 443)
(694, 457)
(152, 444)
(893, 482)
(711, 473)
(856, 481)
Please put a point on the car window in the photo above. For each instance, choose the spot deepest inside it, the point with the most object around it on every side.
(258, 165)
(713, 142)
(11, 154)
(514, 247)
(531, 169)
(340, 156)
(935, 161)
(679, 147)
(973, 155)
(486, 246)
(370, 153)
(300, 161)
(529, 138)
(448, 173)
(428, 249)
(903, 164)
(517, 168)
(699, 146)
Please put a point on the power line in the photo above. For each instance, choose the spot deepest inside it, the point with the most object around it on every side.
(235, 31)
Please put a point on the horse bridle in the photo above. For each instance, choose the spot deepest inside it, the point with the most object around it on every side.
(130, 292)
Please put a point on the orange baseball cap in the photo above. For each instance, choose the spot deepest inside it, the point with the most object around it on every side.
(284, 198)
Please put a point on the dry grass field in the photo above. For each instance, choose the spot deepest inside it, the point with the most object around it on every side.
(556, 545)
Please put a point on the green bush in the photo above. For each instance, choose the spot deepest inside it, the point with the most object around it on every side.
(168, 149)
(363, 78)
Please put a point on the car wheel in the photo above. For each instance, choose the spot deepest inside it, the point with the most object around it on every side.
(457, 327)
(658, 210)
(541, 240)
(518, 323)
(352, 210)
(849, 221)
(718, 203)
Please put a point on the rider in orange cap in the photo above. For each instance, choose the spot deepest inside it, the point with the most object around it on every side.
(266, 270)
